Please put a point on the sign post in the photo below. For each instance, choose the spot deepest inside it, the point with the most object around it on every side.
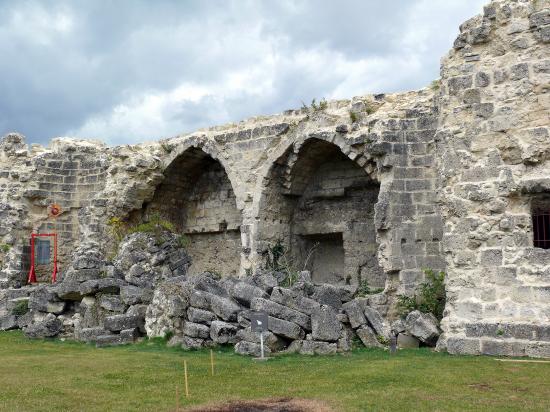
(259, 323)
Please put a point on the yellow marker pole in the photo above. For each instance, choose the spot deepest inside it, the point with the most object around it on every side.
(212, 361)
(186, 381)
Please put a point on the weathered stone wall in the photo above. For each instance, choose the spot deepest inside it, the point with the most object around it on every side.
(197, 197)
(443, 178)
(495, 150)
(68, 175)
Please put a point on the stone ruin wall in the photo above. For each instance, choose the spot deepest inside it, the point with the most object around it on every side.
(494, 151)
(455, 169)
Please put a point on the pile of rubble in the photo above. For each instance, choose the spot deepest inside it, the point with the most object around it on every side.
(146, 291)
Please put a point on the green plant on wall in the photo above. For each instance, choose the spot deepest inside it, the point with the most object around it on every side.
(364, 289)
(118, 228)
(4, 248)
(20, 308)
(429, 299)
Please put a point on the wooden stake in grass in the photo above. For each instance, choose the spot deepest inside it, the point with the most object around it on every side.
(186, 382)
(212, 362)
(177, 399)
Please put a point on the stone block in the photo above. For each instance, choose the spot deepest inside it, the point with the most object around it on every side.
(200, 316)
(250, 348)
(354, 310)
(244, 292)
(117, 323)
(294, 300)
(196, 330)
(132, 295)
(368, 337)
(223, 332)
(282, 312)
(47, 327)
(407, 342)
(376, 321)
(325, 325)
(311, 347)
(423, 326)
(284, 328)
(224, 308)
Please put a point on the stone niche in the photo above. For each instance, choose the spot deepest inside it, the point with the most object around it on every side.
(319, 205)
(197, 197)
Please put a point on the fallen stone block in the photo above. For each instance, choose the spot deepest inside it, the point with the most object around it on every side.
(132, 295)
(224, 308)
(129, 335)
(312, 347)
(90, 334)
(196, 330)
(285, 328)
(376, 322)
(424, 326)
(117, 323)
(281, 312)
(355, 312)
(264, 280)
(49, 327)
(8, 321)
(345, 341)
(327, 295)
(192, 343)
(112, 303)
(407, 342)
(244, 292)
(325, 325)
(200, 316)
(250, 348)
(368, 337)
(223, 332)
(44, 299)
(294, 300)
(68, 290)
(272, 341)
(106, 285)
(113, 340)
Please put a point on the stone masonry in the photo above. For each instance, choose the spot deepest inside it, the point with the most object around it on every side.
(373, 189)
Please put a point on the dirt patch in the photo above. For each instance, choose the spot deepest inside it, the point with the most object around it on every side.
(480, 386)
(266, 405)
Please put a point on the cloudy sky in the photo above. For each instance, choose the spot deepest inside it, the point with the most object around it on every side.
(130, 71)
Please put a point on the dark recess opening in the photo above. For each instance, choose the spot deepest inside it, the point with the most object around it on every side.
(541, 226)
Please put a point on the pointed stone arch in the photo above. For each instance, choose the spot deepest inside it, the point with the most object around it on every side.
(318, 199)
(197, 196)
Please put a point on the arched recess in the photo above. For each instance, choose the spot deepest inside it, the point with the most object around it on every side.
(319, 204)
(197, 196)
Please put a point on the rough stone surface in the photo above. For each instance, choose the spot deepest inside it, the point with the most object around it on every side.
(325, 325)
(223, 332)
(447, 177)
(423, 326)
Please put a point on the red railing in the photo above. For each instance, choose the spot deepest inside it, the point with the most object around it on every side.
(32, 273)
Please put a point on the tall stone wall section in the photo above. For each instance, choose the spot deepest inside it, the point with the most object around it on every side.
(495, 149)
(67, 175)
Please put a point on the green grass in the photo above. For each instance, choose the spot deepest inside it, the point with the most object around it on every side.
(43, 375)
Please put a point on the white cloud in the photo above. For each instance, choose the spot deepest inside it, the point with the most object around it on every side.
(126, 72)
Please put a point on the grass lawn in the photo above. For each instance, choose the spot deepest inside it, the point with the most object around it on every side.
(67, 376)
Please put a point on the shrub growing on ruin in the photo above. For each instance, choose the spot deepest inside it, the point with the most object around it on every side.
(20, 308)
(429, 299)
(364, 289)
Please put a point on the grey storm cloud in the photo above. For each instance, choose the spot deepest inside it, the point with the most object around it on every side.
(129, 71)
